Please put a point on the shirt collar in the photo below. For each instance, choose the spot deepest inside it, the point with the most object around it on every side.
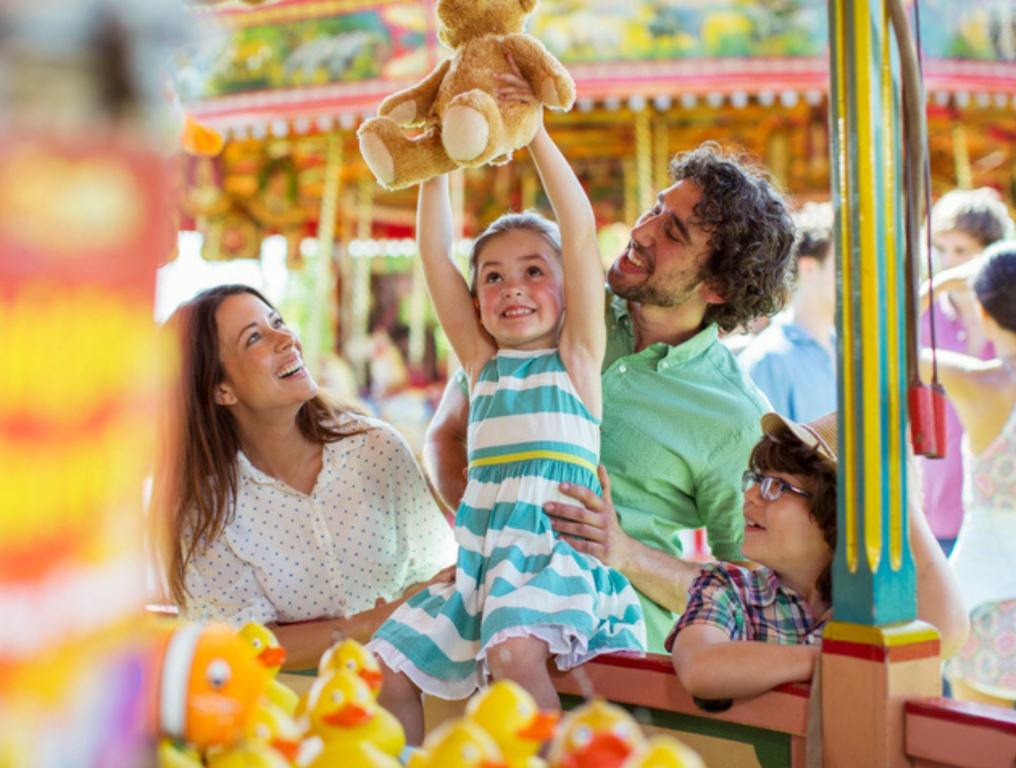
(247, 471)
(680, 353)
(795, 332)
(766, 588)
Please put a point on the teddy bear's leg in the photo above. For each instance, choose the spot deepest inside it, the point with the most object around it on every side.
(398, 162)
(376, 136)
(472, 129)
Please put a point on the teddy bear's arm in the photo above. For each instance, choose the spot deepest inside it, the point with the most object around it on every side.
(411, 105)
(548, 77)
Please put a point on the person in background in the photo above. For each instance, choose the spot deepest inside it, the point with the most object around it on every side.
(746, 631)
(984, 396)
(275, 505)
(793, 361)
(964, 223)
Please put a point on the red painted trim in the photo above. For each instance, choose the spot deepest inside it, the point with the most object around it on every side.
(880, 653)
(964, 713)
(854, 650)
(914, 651)
(602, 80)
(661, 664)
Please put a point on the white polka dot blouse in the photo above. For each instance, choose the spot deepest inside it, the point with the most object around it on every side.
(369, 529)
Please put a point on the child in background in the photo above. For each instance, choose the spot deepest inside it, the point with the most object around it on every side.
(746, 631)
(964, 222)
(521, 595)
(984, 395)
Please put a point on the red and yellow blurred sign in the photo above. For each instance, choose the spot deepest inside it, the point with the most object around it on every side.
(83, 226)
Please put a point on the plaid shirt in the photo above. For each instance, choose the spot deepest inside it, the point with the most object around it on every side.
(749, 605)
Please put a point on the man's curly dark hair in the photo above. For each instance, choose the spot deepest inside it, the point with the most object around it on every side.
(751, 234)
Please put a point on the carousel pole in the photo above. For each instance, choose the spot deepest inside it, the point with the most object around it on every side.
(661, 154)
(631, 189)
(321, 325)
(873, 650)
(417, 315)
(961, 156)
(530, 185)
(357, 352)
(644, 159)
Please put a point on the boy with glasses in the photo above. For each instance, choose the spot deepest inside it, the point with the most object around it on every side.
(747, 630)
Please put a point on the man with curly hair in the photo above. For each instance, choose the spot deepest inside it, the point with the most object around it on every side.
(680, 416)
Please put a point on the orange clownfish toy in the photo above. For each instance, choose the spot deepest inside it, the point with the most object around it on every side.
(208, 685)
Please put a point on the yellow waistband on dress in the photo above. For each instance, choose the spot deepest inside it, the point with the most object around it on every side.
(528, 455)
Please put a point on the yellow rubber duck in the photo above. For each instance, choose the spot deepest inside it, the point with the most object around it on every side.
(665, 752)
(176, 754)
(458, 744)
(596, 735)
(249, 754)
(270, 725)
(508, 713)
(358, 755)
(209, 685)
(350, 655)
(266, 649)
(342, 710)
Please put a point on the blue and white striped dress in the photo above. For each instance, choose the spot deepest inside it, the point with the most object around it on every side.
(528, 432)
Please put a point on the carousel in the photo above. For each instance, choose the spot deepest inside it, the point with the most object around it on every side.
(91, 198)
(288, 83)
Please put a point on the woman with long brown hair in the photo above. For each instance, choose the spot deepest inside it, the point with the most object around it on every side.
(277, 506)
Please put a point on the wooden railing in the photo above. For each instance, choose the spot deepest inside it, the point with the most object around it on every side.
(766, 730)
(944, 732)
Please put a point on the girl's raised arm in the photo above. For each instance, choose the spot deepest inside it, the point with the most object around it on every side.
(448, 289)
(583, 337)
(583, 273)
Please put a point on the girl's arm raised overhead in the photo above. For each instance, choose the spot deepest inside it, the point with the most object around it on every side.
(584, 336)
(580, 252)
(448, 288)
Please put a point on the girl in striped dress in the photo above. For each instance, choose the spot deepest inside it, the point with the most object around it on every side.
(521, 595)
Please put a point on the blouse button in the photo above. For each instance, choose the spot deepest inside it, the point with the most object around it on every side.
(622, 368)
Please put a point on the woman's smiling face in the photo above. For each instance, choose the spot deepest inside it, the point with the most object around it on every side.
(261, 357)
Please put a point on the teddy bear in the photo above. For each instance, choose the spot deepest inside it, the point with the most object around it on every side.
(456, 104)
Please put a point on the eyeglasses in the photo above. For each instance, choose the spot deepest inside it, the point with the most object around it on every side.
(771, 488)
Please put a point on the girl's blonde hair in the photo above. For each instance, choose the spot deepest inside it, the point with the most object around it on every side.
(509, 222)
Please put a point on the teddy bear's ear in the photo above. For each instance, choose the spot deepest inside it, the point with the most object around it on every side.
(528, 6)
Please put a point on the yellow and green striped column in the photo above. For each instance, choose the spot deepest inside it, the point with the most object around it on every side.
(873, 650)
(873, 577)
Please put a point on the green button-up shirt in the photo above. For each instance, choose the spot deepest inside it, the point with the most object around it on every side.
(679, 423)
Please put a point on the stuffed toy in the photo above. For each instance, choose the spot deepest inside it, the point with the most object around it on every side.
(465, 124)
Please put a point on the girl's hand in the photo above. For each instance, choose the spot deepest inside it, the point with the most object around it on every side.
(514, 87)
(445, 576)
(958, 278)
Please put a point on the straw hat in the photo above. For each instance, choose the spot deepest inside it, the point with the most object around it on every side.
(820, 434)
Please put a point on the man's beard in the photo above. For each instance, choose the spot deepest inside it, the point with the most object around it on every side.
(652, 295)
